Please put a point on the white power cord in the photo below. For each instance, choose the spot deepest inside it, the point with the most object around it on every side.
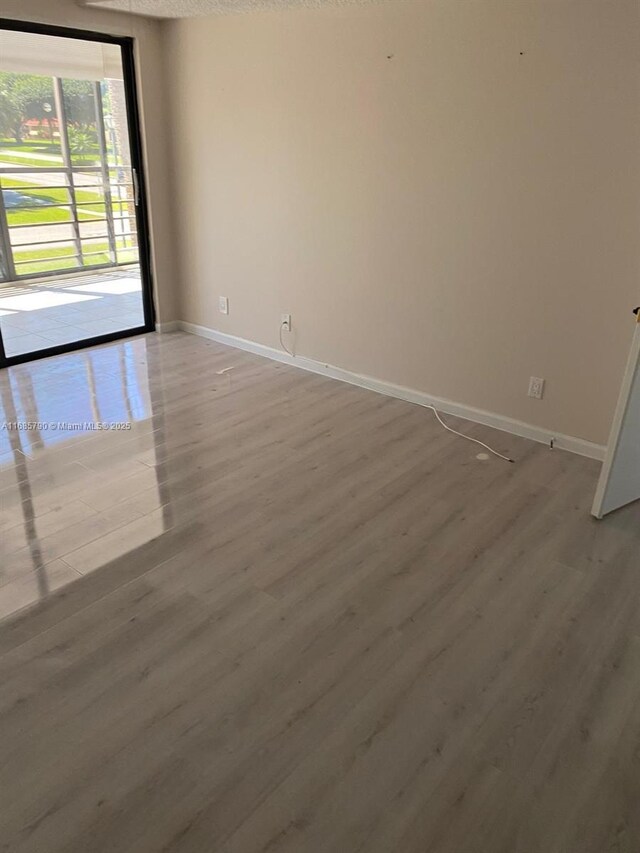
(282, 343)
(433, 409)
(468, 437)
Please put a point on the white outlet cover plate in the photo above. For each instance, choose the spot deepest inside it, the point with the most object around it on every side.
(536, 387)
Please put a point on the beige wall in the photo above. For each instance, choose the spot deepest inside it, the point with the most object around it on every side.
(454, 219)
(152, 96)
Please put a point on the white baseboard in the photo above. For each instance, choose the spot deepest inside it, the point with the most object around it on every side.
(479, 416)
(170, 326)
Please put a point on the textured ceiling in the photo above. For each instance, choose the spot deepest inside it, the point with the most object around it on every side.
(191, 8)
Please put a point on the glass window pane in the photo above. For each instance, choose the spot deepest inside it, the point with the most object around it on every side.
(81, 114)
(29, 135)
(41, 234)
(31, 260)
(66, 183)
(93, 230)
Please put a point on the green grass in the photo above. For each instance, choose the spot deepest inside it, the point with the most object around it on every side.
(65, 256)
(11, 154)
(35, 146)
(53, 214)
(38, 216)
(9, 160)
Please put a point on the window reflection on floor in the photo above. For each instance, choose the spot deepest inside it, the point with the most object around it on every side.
(74, 499)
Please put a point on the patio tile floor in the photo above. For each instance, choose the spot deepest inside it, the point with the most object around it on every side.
(37, 316)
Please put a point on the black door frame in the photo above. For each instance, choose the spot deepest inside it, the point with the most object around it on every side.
(126, 45)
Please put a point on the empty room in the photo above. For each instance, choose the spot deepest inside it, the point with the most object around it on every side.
(319, 426)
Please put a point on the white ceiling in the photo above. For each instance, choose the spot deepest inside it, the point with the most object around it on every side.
(191, 8)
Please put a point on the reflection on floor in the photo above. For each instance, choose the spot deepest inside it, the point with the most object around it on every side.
(34, 317)
(282, 613)
(52, 413)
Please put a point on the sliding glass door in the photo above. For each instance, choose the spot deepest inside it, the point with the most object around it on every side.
(73, 244)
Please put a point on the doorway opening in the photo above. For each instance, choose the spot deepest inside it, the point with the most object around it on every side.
(74, 266)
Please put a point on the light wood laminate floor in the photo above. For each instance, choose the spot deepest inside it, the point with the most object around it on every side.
(284, 615)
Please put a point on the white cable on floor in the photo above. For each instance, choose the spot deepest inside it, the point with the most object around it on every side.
(282, 344)
(468, 437)
(433, 409)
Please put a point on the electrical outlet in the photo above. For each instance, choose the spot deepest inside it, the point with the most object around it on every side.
(536, 387)
(285, 322)
(223, 304)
